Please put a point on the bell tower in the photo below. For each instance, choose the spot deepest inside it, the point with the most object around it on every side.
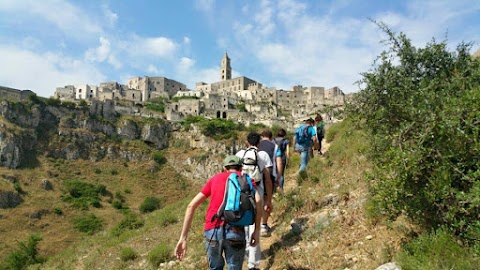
(225, 68)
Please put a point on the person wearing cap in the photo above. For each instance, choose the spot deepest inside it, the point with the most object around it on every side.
(224, 243)
(303, 147)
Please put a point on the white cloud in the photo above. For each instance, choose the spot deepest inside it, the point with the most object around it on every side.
(101, 53)
(42, 73)
(185, 65)
(153, 70)
(205, 5)
(152, 46)
(71, 20)
(186, 40)
(110, 16)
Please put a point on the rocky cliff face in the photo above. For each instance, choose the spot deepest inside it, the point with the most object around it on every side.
(203, 166)
(75, 133)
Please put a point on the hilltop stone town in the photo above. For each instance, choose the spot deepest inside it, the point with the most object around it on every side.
(242, 99)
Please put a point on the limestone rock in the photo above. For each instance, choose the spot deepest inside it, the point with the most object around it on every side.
(9, 199)
(46, 185)
(156, 135)
(128, 129)
(389, 266)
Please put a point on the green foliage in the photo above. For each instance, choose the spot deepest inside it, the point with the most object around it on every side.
(420, 107)
(82, 194)
(97, 171)
(161, 253)
(241, 107)
(88, 223)
(53, 102)
(166, 218)
(68, 104)
(216, 128)
(25, 255)
(157, 106)
(438, 250)
(150, 204)
(58, 211)
(128, 254)
(83, 104)
(17, 187)
(159, 157)
(130, 221)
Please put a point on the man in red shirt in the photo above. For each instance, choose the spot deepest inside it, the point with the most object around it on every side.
(220, 238)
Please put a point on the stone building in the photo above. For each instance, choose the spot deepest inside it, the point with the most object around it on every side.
(250, 100)
(14, 94)
(154, 87)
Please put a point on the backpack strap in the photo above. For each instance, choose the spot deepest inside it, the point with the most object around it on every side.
(219, 214)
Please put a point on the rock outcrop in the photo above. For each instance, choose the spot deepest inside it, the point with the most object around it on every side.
(9, 199)
(75, 133)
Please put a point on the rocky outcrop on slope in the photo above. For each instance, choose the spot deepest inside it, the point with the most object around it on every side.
(75, 133)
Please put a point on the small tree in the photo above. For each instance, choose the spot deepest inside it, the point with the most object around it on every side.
(420, 106)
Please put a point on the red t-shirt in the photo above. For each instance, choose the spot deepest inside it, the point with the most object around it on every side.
(215, 189)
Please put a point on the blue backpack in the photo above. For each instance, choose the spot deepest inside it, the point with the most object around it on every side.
(238, 206)
(302, 135)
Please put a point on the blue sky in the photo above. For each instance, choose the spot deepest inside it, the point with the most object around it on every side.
(280, 43)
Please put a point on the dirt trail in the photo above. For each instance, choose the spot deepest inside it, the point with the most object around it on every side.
(276, 236)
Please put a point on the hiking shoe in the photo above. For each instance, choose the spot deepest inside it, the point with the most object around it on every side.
(253, 268)
(265, 230)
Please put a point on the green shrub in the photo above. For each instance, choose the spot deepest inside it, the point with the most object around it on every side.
(128, 254)
(161, 253)
(438, 250)
(58, 211)
(82, 194)
(88, 224)
(17, 187)
(166, 218)
(156, 107)
(25, 255)
(117, 204)
(130, 221)
(127, 191)
(150, 204)
(420, 108)
(97, 171)
(159, 157)
(53, 102)
(113, 172)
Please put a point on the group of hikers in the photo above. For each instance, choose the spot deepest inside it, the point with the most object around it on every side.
(241, 195)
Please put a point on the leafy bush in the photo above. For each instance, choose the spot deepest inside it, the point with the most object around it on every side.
(150, 204)
(130, 221)
(159, 157)
(160, 254)
(438, 250)
(128, 254)
(25, 255)
(97, 171)
(156, 107)
(53, 102)
(58, 211)
(420, 107)
(82, 194)
(88, 224)
(166, 218)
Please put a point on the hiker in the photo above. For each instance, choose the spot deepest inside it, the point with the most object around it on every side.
(266, 144)
(257, 165)
(305, 135)
(284, 146)
(221, 237)
(320, 128)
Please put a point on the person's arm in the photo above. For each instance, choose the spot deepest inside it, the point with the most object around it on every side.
(268, 188)
(279, 167)
(181, 248)
(255, 237)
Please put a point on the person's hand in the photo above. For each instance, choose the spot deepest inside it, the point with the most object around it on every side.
(267, 207)
(254, 239)
(181, 249)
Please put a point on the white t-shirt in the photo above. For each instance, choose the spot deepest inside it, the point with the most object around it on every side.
(263, 160)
